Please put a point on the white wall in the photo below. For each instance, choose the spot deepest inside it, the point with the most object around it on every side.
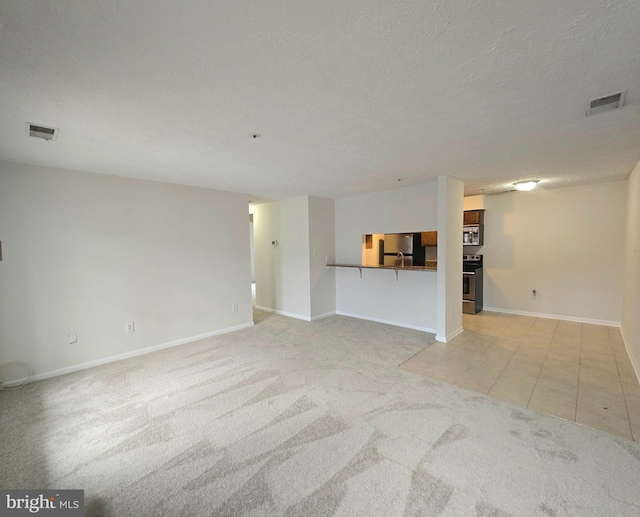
(474, 203)
(251, 253)
(322, 249)
(566, 243)
(282, 272)
(630, 323)
(411, 300)
(85, 253)
(409, 209)
(408, 302)
(450, 212)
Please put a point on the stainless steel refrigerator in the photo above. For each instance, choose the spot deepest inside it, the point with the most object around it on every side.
(407, 244)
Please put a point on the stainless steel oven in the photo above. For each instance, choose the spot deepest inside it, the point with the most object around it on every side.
(472, 273)
(469, 286)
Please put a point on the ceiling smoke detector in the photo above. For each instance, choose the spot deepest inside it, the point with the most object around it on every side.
(37, 131)
(606, 103)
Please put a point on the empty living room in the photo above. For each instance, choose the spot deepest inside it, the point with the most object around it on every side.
(367, 258)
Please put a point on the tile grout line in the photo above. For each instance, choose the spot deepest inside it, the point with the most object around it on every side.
(575, 405)
(501, 372)
(540, 372)
(507, 363)
(624, 394)
(483, 352)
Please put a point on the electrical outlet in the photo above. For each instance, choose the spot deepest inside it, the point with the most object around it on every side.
(534, 293)
(234, 307)
(73, 338)
(128, 327)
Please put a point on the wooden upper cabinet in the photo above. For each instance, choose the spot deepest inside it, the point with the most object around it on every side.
(429, 238)
(473, 217)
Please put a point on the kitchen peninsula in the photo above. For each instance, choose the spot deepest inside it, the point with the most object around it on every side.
(404, 299)
(429, 266)
(398, 252)
(429, 301)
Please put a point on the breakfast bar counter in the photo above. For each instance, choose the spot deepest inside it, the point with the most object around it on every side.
(429, 266)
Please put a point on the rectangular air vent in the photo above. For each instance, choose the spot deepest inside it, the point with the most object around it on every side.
(606, 103)
(37, 131)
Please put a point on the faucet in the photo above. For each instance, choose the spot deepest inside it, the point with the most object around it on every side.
(401, 257)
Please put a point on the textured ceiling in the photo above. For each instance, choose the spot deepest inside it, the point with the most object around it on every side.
(348, 95)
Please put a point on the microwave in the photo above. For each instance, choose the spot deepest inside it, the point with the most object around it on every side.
(472, 235)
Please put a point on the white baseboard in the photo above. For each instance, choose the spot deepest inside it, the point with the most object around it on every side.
(283, 313)
(446, 339)
(322, 316)
(387, 322)
(634, 364)
(606, 323)
(134, 353)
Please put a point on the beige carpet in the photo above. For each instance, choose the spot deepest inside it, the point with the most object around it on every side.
(296, 418)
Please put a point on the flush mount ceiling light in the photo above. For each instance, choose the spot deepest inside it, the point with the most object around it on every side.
(38, 131)
(526, 185)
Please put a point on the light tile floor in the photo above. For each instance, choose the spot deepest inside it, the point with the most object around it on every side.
(575, 371)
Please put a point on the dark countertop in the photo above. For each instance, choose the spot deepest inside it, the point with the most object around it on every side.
(430, 267)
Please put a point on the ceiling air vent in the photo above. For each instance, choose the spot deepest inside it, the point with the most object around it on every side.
(46, 133)
(607, 103)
